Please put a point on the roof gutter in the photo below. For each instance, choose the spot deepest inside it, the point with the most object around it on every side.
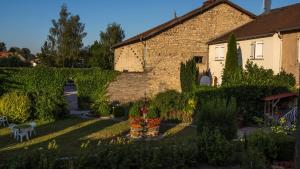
(243, 38)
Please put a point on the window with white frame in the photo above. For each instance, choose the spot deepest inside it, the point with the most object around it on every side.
(298, 42)
(257, 50)
(220, 52)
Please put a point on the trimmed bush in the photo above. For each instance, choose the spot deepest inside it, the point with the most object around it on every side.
(188, 75)
(169, 104)
(218, 113)
(214, 148)
(45, 86)
(16, 106)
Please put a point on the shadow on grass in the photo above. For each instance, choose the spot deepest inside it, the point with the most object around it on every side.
(68, 135)
(178, 131)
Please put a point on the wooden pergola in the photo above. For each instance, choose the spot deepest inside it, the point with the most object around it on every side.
(272, 101)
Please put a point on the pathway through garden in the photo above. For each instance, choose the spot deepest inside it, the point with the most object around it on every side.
(70, 94)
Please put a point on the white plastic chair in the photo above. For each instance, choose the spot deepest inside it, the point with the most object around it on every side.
(13, 130)
(32, 128)
(3, 121)
(22, 133)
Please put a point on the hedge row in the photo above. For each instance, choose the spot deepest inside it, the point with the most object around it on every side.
(45, 87)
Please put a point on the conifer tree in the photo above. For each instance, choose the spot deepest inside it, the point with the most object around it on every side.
(232, 71)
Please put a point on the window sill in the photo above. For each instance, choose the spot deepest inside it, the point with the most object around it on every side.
(219, 59)
(257, 59)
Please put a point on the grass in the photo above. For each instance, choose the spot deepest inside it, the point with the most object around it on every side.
(70, 134)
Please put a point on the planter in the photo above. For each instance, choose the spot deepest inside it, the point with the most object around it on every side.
(136, 131)
(153, 127)
(136, 128)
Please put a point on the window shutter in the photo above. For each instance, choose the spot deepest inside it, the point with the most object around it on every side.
(252, 51)
(217, 53)
(259, 50)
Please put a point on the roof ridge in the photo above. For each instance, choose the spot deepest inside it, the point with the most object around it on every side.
(173, 22)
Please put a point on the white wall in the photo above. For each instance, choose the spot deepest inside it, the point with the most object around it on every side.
(271, 55)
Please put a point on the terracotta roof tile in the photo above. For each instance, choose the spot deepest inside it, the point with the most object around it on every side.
(277, 20)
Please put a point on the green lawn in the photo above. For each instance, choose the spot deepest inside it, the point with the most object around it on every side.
(69, 134)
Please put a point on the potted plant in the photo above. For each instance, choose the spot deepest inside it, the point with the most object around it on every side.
(136, 121)
(153, 121)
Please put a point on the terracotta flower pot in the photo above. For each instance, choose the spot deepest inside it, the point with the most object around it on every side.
(153, 127)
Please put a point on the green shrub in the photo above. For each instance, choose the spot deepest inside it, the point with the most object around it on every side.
(101, 105)
(214, 148)
(264, 143)
(119, 110)
(153, 112)
(134, 111)
(285, 146)
(148, 155)
(218, 113)
(45, 86)
(169, 104)
(16, 106)
(188, 75)
(253, 159)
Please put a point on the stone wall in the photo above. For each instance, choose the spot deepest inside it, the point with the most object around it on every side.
(290, 61)
(162, 54)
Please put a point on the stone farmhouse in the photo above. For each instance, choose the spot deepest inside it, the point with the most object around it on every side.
(151, 60)
(272, 40)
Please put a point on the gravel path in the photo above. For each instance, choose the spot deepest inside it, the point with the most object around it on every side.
(70, 94)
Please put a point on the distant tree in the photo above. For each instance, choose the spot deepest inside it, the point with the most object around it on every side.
(14, 50)
(2, 47)
(46, 57)
(232, 71)
(113, 35)
(101, 52)
(65, 37)
(13, 61)
(26, 53)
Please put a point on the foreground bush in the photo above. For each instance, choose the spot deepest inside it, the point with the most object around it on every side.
(218, 113)
(214, 148)
(150, 155)
(16, 106)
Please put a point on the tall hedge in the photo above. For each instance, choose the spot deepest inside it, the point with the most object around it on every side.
(188, 75)
(232, 71)
(45, 87)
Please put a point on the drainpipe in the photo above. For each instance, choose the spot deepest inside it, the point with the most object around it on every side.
(280, 52)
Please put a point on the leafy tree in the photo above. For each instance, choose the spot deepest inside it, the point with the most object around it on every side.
(14, 49)
(188, 75)
(46, 57)
(65, 38)
(102, 53)
(232, 71)
(2, 47)
(13, 61)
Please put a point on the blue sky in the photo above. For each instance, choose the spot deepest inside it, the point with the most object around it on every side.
(26, 23)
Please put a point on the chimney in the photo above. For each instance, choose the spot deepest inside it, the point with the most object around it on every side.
(267, 6)
(208, 2)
